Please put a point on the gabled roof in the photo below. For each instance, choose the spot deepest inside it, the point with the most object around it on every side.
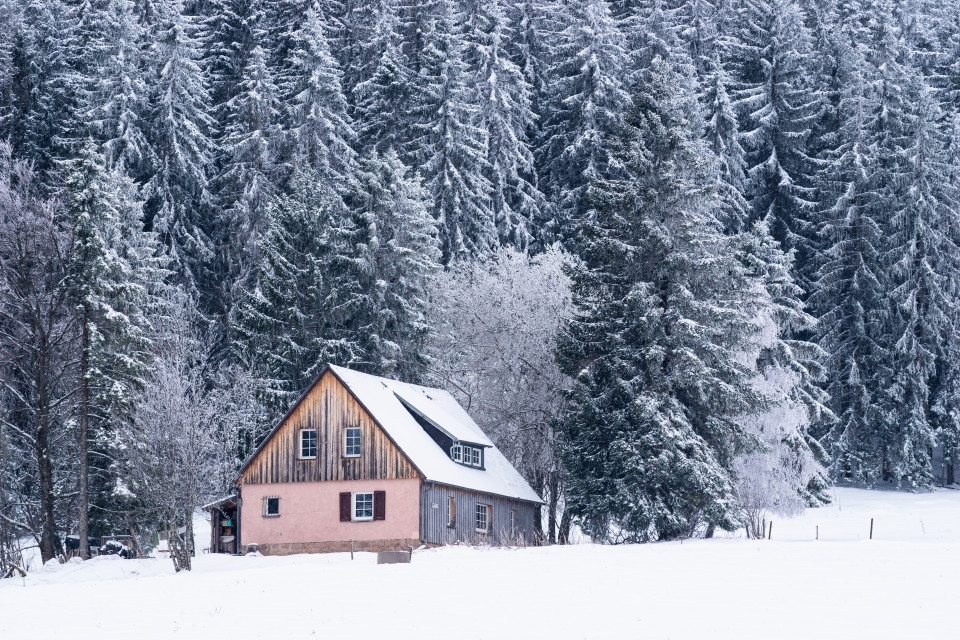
(381, 397)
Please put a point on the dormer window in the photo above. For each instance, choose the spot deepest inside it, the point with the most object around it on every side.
(467, 455)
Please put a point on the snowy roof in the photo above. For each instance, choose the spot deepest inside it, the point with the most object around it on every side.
(216, 503)
(381, 397)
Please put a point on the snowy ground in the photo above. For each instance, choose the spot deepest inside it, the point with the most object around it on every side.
(899, 585)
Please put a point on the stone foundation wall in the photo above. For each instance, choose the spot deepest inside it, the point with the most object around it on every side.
(337, 546)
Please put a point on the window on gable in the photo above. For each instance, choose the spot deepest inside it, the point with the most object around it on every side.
(483, 518)
(271, 507)
(363, 506)
(456, 453)
(308, 444)
(352, 442)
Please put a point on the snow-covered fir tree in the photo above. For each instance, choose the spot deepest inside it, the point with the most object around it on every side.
(318, 127)
(450, 145)
(283, 329)
(383, 95)
(179, 199)
(506, 116)
(248, 178)
(117, 104)
(586, 99)
(114, 271)
(397, 252)
(664, 307)
(777, 104)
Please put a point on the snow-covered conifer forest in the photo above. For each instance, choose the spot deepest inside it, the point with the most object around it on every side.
(688, 262)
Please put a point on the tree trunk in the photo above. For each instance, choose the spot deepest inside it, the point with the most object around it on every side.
(50, 545)
(538, 517)
(552, 514)
(564, 537)
(84, 498)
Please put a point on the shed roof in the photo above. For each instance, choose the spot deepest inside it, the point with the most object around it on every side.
(382, 398)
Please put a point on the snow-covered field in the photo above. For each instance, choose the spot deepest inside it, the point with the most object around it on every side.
(898, 585)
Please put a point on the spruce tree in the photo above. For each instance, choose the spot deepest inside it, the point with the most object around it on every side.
(663, 308)
(383, 94)
(587, 98)
(318, 127)
(248, 176)
(398, 253)
(41, 102)
(449, 145)
(284, 328)
(179, 200)
(117, 104)
(114, 272)
(506, 116)
(777, 106)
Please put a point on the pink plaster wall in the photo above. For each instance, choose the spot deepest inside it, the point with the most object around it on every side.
(310, 512)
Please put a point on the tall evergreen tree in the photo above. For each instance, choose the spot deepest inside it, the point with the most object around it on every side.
(115, 269)
(384, 93)
(398, 253)
(777, 106)
(450, 145)
(178, 208)
(505, 115)
(248, 176)
(586, 99)
(285, 328)
(41, 96)
(664, 306)
(318, 125)
(117, 104)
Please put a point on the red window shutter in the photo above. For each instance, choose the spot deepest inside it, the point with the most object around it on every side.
(379, 505)
(345, 507)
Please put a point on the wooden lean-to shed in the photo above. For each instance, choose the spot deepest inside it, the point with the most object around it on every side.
(374, 464)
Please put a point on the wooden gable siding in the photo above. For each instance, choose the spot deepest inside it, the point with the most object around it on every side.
(329, 408)
(434, 525)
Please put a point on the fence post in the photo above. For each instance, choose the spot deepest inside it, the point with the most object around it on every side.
(770, 535)
(871, 528)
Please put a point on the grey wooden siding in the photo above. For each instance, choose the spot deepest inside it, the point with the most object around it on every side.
(434, 499)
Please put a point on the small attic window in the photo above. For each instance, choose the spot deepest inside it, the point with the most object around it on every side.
(467, 455)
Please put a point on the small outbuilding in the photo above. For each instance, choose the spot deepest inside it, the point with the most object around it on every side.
(371, 464)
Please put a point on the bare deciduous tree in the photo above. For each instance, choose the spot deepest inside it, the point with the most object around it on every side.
(493, 348)
(37, 334)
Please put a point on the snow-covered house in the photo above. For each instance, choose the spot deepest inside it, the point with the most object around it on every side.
(378, 464)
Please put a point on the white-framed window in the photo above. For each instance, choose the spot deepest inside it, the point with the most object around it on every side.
(271, 507)
(483, 518)
(465, 454)
(475, 456)
(513, 522)
(362, 506)
(451, 511)
(352, 440)
(308, 444)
